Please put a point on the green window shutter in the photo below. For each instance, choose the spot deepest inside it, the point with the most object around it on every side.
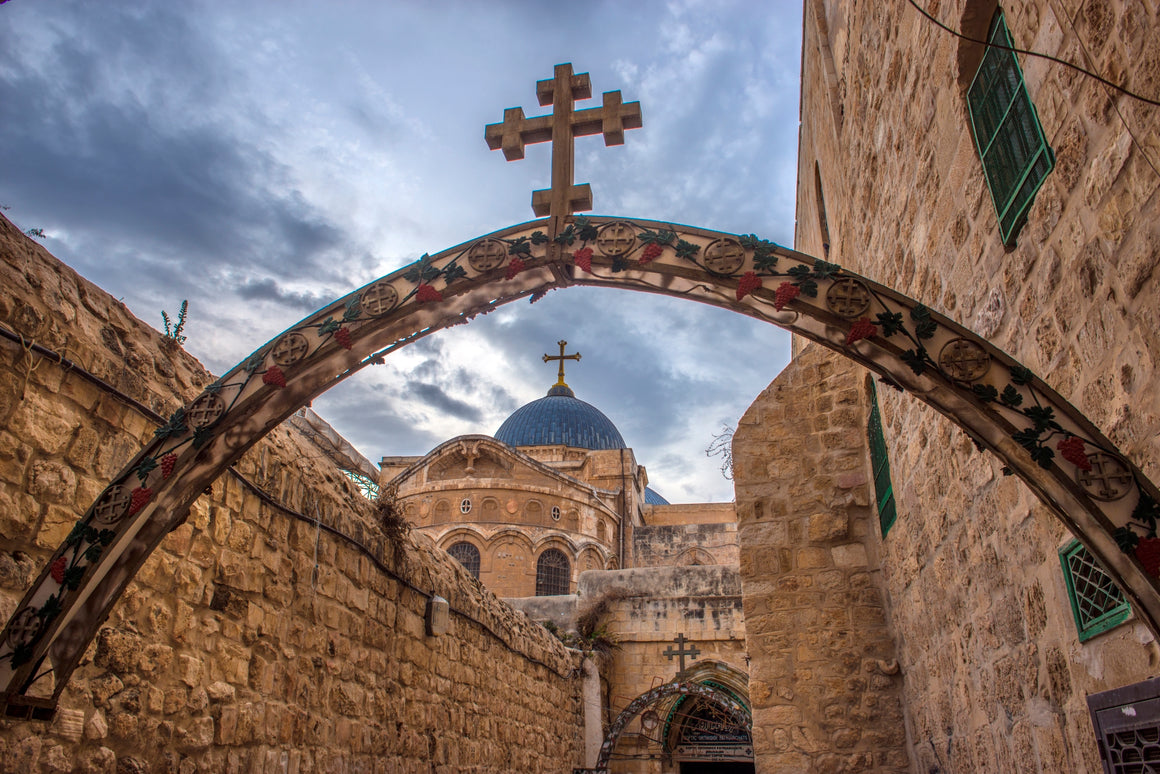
(1096, 602)
(1008, 136)
(880, 463)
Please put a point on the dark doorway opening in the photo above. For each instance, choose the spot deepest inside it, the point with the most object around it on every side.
(717, 767)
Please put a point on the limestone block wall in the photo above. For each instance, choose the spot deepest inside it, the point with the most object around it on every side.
(886, 154)
(822, 676)
(280, 628)
(684, 544)
(649, 607)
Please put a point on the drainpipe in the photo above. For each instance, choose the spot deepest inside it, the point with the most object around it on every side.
(623, 509)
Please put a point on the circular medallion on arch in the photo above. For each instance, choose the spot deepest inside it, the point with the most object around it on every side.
(24, 628)
(379, 299)
(112, 507)
(290, 349)
(964, 360)
(724, 256)
(206, 410)
(1109, 479)
(616, 239)
(848, 298)
(486, 254)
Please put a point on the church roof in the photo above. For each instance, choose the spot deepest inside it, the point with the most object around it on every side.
(653, 498)
(560, 419)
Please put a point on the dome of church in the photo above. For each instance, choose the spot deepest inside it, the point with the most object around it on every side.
(652, 497)
(560, 418)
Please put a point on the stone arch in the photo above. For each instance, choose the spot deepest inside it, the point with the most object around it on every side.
(1098, 493)
(693, 557)
(737, 711)
(560, 541)
(470, 533)
(590, 558)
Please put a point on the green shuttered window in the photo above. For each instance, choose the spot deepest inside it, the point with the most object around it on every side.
(883, 489)
(1011, 144)
(1096, 602)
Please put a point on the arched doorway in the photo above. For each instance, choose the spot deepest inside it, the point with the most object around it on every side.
(686, 726)
(1093, 488)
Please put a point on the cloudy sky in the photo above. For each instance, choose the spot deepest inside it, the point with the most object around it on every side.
(260, 159)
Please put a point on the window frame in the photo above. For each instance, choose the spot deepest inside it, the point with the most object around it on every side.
(1015, 127)
(547, 584)
(880, 467)
(474, 566)
(1107, 620)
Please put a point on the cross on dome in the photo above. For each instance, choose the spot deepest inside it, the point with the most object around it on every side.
(561, 357)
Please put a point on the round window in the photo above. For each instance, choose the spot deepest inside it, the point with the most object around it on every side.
(555, 513)
(465, 506)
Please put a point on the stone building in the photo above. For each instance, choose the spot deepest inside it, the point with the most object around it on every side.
(555, 515)
(1047, 245)
(880, 598)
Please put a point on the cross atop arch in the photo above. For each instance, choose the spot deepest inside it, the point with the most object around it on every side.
(561, 127)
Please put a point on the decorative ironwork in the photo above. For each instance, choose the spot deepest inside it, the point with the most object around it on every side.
(487, 254)
(207, 409)
(379, 299)
(553, 573)
(692, 652)
(23, 629)
(1055, 445)
(964, 360)
(736, 712)
(848, 298)
(706, 732)
(724, 256)
(1127, 726)
(112, 507)
(1108, 479)
(467, 555)
(616, 239)
(290, 349)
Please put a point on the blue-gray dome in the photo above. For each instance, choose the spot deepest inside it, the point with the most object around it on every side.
(560, 418)
(652, 498)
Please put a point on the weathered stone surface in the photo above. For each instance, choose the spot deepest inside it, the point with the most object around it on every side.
(228, 653)
(993, 675)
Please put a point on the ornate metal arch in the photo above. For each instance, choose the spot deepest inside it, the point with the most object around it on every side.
(1099, 494)
(736, 711)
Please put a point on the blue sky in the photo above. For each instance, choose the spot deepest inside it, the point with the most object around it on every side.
(261, 158)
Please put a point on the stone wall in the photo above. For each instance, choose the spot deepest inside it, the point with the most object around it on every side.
(822, 678)
(281, 628)
(684, 544)
(648, 608)
(887, 155)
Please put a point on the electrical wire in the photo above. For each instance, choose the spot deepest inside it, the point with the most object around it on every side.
(1025, 52)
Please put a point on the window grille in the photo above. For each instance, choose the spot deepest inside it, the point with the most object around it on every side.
(467, 555)
(1127, 723)
(880, 463)
(1008, 136)
(555, 513)
(1097, 604)
(552, 573)
(465, 505)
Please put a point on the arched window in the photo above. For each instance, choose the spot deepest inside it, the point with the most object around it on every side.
(552, 573)
(467, 555)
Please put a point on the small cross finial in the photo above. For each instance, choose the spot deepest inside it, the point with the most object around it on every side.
(561, 128)
(561, 357)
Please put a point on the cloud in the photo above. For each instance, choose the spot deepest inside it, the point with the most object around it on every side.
(261, 164)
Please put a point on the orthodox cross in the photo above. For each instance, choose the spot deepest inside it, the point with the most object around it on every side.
(561, 128)
(681, 652)
(561, 357)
